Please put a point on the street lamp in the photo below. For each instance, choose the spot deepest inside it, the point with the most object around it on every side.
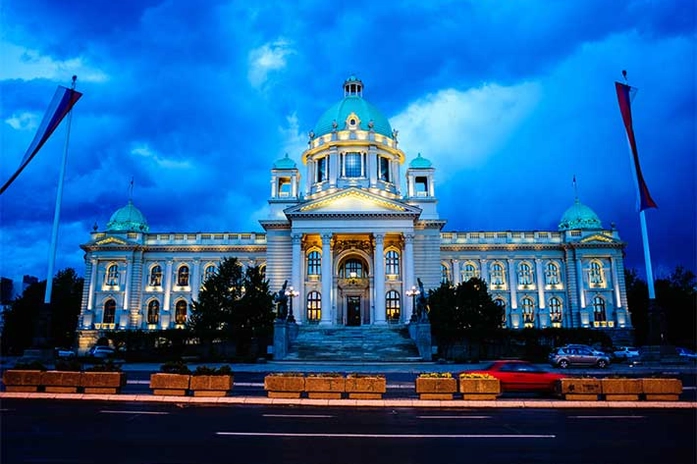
(291, 293)
(412, 292)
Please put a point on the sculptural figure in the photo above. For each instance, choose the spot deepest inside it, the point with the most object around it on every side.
(281, 300)
(421, 303)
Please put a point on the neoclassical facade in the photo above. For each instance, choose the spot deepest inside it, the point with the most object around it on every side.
(351, 234)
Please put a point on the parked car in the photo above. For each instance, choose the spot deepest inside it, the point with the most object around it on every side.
(522, 376)
(101, 352)
(567, 356)
(685, 353)
(588, 347)
(626, 352)
(64, 353)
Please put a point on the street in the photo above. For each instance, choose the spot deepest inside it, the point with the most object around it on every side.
(37, 431)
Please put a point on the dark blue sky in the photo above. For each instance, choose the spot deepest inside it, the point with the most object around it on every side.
(196, 100)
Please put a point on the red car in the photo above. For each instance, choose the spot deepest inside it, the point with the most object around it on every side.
(522, 376)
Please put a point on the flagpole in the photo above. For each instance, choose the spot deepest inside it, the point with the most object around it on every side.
(647, 255)
(57, 210)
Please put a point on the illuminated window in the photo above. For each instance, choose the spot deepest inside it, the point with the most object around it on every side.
(599, 311)
(470, 271)
(314, 263)
(156, 276)
(180, 312)
(555, 311)
(109, 311)
(209, 272)
(444, 273)
(353, 166)
(392, 263)
(112, 275)
(322, 169)
(498, 276)
(352, 268)
(314, 307)
(153, 312)
(392, 306)
(552, 274)
(383, 169)
(524, 274)
(262, 269)
(528, 312)
(284, 187)
(183, 276)
(595, 274)
(501, 303)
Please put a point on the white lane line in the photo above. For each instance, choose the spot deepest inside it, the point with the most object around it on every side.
(302, 416)
(607, 417)
(454, 417)
(138, 382)
(374, 435)
(156, 413)
(5, 409)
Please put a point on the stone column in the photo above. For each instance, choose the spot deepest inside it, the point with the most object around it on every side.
(93, 279)
(327, 278)
(165, 315)
(195, 279)
(409, 278)
(298, 263)
(484, 273)
(379, 279)
(512, 284)
(542, 316)
(584, 315)
(456, 271)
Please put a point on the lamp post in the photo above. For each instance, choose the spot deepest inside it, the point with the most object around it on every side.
(291, 293)
(412, 292)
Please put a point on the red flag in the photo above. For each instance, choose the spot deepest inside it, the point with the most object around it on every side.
(62, 103)
(623, 93)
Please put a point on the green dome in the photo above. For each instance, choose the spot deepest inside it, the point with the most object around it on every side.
(284, 163)
(579, 216)
(353, 102)
(127, 219)
(420, 163)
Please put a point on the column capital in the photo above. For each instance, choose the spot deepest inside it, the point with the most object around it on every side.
(296, 237)
(454, 260)
(409, 238)
(327, 237)
(379, 238)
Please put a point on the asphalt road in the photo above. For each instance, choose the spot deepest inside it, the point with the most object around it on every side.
(36, 431)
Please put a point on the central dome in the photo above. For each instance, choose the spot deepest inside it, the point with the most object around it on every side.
(353, 102)
(579, 216)
(127, 219)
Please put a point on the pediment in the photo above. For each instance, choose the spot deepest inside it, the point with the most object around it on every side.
(114, 241)
(598, 238)
(353, 202)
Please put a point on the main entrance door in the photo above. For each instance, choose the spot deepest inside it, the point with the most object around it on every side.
(353, 310)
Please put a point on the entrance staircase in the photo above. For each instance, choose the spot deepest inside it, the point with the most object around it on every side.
(353, 344)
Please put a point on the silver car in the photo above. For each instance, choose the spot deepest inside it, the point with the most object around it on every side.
(567, 356)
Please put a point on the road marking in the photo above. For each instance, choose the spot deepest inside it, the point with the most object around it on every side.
(607, 417)
(374, 435)
(454, 417)
(311, 416)
(156, 413)
(138, 382)
(689, 388)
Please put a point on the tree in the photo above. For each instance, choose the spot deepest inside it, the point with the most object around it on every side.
(252, 318)
(638, 303)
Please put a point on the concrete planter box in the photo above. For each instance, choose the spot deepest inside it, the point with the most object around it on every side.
(661, 389)
(61, 381)
(325, 386)
(211, 385)
(480, 389)
(103, 382)
(368, 387)
(621, 389)
(436, 388)
(169, 384)
(580, 389)
(284, 385)
(18, 380)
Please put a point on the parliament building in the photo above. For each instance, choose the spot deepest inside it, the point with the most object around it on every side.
(351, 231)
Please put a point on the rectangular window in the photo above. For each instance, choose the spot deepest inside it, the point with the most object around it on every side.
(322, 169)
(383, 169)
(352, 165)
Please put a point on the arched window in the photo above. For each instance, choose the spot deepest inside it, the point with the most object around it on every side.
(498, 276)
(314, 307)
(595, 274)
(262, 270)
(524, 274)
(444, 273)
(392, 263)
(353, 268)
(599, 316)
(180, 312)
(153, 312)
(109, 311)
(112, 275)
(528, 312)
(156, 276)
(501, 303)
(552, 274)
(469, 271)
(392, 306)
(208, 272)
(555, 311)
(314, 263)
(183, 276)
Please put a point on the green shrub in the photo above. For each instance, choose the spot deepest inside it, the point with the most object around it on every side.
(30, 366)
(175, 367)
(108, 366)
(71, 365)
(205, 370)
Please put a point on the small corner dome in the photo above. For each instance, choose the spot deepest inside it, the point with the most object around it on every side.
(284, 163)
(127, 219)
(420, 162)
(579, 216)
(353, 103)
